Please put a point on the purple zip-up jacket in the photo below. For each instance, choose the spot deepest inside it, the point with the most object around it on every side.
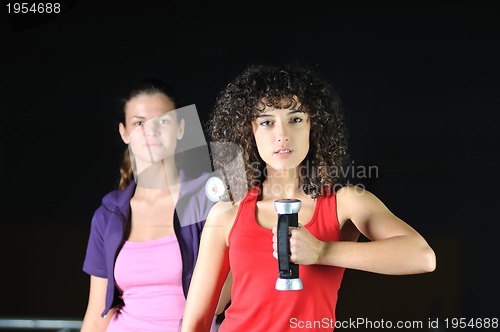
(110, 221)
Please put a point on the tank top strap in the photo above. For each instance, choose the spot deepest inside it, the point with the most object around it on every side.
(246, 209)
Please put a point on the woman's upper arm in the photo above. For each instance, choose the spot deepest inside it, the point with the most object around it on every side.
(225, 296)
(92, 320)
(369, 214)
(211, 269)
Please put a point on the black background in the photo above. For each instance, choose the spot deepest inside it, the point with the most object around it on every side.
(420, 86)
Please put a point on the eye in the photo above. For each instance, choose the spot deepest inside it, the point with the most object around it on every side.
(164, 120)
(137, 123)
(265, 123)
(296, 120)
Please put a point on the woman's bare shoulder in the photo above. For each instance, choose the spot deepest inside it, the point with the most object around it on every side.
(354, 194)
(356, 202)
(223, 212)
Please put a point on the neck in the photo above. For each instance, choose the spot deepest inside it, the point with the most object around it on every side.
(282, 184)
(160, 175)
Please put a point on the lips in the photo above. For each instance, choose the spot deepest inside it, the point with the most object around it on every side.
(283, 151)
(152, 144)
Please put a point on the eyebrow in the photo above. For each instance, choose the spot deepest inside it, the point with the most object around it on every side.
(136, 117)
(170, 114)
(142, 117)
(268, 114)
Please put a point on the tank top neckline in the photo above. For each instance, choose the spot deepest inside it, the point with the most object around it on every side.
(254, 196)
(151, 243)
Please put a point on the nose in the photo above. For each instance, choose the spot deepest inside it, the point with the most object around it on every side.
(150, 128)
(281, 132)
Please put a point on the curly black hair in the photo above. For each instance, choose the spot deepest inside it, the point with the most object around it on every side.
(279, 86)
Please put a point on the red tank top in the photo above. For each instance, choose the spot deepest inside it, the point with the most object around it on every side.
(255, 303)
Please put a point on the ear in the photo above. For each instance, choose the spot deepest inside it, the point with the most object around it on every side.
(123, 133)
(180, 129)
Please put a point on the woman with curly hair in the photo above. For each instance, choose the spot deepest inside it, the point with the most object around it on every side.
(288, 123)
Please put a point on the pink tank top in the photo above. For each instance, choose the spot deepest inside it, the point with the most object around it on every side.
(256, 304)
(149, 274)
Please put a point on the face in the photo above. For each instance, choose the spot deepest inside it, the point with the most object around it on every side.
(282, 137)
(151, 128)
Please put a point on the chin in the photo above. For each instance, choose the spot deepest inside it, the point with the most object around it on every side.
(283, 168)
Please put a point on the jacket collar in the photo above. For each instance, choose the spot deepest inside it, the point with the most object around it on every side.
(120, 198)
